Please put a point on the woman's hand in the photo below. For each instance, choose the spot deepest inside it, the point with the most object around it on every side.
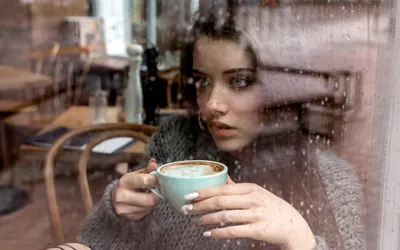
(260, 214)
(70, 246)
(129, 197)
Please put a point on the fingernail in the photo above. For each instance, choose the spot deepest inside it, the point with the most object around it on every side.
(207, 234)
(187, 208)
(152, 160)
(192, 196)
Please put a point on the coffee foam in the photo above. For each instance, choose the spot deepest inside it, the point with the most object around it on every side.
(190, 170)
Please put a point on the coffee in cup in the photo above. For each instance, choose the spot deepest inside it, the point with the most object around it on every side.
(177, 179)
(185, 169)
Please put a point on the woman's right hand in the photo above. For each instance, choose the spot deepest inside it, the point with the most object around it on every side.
(130, 199)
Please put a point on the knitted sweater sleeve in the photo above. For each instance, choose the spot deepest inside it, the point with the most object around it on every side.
(104, 228)
(346, 198)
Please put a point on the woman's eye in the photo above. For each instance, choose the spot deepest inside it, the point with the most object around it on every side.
(241, 82)
(202, 82)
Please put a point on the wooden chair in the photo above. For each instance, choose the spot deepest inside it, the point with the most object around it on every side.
(60, 63)
(47, 103)
(172, 75)
(137, 131)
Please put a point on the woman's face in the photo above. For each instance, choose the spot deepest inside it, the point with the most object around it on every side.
(228, 95)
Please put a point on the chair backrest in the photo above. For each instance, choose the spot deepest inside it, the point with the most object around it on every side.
(60, 64)
(137, 131)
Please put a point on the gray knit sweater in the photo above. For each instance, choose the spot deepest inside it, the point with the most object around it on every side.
(327, 193)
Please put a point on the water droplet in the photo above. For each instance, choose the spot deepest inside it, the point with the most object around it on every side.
(253, 245)
(238, 242)
(308, 211)
(236, 162)
(301, 203)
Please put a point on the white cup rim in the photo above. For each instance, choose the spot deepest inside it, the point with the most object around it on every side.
(225, 171)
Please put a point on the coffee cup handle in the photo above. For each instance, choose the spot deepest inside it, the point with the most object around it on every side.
(156, 190)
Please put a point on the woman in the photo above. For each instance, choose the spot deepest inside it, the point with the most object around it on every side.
(283, 193)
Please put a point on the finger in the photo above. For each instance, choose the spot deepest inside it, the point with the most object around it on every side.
(151, 166)
(237, 189)
(134, 181)
(221, 203)
(132, 198)
(229, 180)
(241, 231)
(77, 246)
(232, 216)
(139, 215)
(131, 212)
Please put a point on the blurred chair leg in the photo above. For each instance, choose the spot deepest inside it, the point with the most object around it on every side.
(4, 151)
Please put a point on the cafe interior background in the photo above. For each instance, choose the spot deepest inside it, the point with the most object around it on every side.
(76, 72)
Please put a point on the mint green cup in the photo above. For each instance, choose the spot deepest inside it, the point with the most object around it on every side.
(174, 188)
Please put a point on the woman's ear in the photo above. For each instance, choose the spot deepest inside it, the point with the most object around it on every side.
(202, 123)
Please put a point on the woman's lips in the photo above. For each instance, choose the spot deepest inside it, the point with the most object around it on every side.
(222, 130)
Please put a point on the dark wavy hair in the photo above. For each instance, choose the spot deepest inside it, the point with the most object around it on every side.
(217, 22)
(268, 41)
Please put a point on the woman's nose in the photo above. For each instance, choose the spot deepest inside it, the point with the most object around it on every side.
(216, 103)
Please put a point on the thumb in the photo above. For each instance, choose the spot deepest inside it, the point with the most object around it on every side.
(151, 166)
(229, 180)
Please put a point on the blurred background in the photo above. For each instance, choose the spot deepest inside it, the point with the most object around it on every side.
(64, 66)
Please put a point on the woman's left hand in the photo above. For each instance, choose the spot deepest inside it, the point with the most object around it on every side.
(260, 214)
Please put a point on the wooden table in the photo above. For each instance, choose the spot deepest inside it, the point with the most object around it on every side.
(19, 79)
(107, 68)
(77, 117)
(110, 63)
(14, 81)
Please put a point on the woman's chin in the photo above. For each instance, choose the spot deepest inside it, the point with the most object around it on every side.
(229, 146)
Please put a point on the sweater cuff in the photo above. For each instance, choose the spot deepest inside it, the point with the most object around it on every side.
(321, 244)
(105, 229)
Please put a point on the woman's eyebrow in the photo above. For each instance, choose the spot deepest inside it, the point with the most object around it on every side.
(199, 72)
(230, 71)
